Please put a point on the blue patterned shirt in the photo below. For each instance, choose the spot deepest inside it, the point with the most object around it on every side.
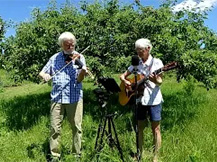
(65, 88)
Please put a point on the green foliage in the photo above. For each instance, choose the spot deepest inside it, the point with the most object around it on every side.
(198, 63)
(2, 32)
(189, 85)
(2, 29)
(111, 30)
(1, 86)
(5, 80)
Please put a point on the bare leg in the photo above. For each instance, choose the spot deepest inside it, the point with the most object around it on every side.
(156, 138)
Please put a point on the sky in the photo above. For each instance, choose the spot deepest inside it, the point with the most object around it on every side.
(20, 10)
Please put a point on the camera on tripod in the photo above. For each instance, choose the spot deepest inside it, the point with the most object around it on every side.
(101, 95)
(106, 87)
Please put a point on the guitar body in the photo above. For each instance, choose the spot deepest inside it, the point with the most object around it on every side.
(126, 93)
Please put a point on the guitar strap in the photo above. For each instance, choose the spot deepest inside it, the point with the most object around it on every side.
(149, 68)
(146, 84)
(149, 72)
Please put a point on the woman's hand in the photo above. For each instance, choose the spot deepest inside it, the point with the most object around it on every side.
(157, 79)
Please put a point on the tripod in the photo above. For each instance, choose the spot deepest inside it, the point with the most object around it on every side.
(107, 119)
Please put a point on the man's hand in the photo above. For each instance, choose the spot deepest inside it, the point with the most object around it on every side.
(74, 56)
(157, 79)
(127, 84)
(46, 77)
(82, 74)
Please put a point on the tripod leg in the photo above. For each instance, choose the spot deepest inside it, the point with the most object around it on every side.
(116, 136)
(111, 141)
(137, 142)
(98, 133)
(101, 138)
(99, 148)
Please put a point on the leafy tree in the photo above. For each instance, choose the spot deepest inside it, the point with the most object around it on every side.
(111, 30)
(1, 29)
(2, 32)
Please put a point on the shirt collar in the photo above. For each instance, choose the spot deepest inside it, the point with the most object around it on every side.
(149, 60)
(63, 54)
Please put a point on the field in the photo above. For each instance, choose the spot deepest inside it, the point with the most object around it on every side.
(188, 126)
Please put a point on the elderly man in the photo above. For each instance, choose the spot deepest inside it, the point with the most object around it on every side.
(67, 94)
(150, 101)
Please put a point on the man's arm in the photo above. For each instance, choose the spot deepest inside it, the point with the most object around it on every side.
(81, 75)
(124, 76)
(44, 74)
(83, 70)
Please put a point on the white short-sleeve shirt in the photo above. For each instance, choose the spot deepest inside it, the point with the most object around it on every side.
(152, 93)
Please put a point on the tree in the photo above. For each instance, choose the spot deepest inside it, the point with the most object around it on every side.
(2, 32)
(111, 30)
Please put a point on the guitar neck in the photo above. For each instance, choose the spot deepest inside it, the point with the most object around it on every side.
(159, 71)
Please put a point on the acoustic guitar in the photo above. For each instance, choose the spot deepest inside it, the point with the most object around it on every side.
(126, 93)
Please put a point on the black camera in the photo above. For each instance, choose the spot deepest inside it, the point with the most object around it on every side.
(101, 94)
(106, 87)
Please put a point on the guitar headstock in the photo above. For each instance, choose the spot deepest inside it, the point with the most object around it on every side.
(170, 66)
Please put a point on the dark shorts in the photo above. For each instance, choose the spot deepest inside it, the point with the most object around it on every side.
(152, 111)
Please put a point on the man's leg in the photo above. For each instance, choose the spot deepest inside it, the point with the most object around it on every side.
(75, 115)
(56, 118)
(156, 137)
(155, 114)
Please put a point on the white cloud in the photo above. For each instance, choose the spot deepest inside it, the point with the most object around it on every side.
(193, 5)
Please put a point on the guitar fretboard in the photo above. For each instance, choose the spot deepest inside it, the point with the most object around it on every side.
(147, 78)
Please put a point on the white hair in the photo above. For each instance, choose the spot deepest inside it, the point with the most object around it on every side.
(66, 36)
(143, 43)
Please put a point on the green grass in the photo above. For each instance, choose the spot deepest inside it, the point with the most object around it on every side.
(188, 125)
(192, 134)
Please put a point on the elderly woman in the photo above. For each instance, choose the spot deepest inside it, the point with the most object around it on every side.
(66, 94)
(150, 102)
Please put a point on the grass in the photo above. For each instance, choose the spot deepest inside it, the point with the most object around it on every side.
(194, 140)
(188, 125)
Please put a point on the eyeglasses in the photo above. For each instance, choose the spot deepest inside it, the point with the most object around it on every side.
(141, 49)
(69, 45)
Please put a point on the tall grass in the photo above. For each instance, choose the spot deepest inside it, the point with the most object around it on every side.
(188, 125)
